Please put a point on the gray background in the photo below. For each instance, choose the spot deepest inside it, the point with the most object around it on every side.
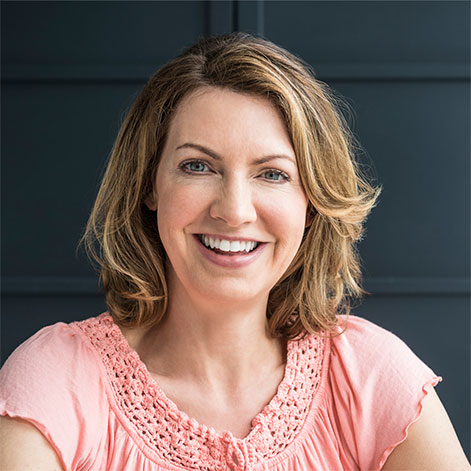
(71, 69)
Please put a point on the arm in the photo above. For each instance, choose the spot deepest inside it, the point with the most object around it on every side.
(431, 444)
(23, 446)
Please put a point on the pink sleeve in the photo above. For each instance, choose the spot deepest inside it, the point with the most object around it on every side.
(52, 380)
(378, 385)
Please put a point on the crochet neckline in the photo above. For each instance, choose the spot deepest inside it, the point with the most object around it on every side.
(182, 440)
(185, 419)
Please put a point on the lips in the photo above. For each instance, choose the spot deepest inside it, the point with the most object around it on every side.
(229, 259)
(226, 246)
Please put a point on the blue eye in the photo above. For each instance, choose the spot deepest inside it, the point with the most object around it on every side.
(276, 175)
(194, 166)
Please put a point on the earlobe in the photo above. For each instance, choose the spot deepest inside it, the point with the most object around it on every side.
(310, 213)
(151, 201)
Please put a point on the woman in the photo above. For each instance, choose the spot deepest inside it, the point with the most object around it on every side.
(224, 229)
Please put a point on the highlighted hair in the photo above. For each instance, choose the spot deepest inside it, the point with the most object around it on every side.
(121, 234)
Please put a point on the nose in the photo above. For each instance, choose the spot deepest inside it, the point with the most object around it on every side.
(233, 203)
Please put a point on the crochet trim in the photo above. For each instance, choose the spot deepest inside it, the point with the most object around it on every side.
(180, 439)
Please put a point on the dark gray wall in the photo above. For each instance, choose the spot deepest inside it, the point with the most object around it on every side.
(70, 70)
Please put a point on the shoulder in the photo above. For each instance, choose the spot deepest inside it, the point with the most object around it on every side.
(23, 446)
(358, 331)
(54, 364)
(429, 443)
(46, 341)
(54, 353)
(55, 382)
(377, 384)
(375, 362)
(366, 347)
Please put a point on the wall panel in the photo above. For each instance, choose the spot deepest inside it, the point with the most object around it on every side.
(70, 70)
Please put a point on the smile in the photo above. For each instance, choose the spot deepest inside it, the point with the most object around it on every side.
(228, 246)
(227, 255)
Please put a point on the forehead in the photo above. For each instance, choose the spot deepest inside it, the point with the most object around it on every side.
(222, 116)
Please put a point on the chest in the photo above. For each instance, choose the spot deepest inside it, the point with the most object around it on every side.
(232, 413)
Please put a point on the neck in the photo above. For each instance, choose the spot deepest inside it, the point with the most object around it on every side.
(222, 347)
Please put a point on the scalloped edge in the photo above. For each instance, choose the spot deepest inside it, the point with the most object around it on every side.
(425, 390)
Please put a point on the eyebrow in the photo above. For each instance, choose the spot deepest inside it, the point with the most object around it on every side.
(216, 156)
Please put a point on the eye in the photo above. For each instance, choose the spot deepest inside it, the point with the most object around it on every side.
(275, 175)
(194, 166)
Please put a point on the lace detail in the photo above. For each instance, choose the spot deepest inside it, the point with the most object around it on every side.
(183, 441)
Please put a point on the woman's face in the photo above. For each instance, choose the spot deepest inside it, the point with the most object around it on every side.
(228, 179)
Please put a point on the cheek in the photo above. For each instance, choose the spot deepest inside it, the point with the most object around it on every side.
(286, 214)
(178, 206)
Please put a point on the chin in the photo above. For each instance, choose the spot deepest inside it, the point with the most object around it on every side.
(232, 292)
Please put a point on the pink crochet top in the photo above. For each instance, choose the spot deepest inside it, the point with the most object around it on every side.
(343, 404)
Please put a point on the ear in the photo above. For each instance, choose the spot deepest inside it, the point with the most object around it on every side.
(151, 201)
(310, 213)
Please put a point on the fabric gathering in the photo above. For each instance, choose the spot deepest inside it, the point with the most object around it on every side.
(344, 403)
(225, 234)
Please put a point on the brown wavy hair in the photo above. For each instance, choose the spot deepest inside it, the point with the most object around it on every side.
(121, 234)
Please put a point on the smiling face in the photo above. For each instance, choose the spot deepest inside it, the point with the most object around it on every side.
(228, 179)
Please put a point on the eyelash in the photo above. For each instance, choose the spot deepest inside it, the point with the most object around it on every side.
(184, 167)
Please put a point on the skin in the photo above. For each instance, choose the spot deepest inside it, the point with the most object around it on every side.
(213, 343)
(212, 346)
(231, 196)
(23, 447)
(431, 444)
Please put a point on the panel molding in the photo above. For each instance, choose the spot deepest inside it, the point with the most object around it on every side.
(221, 16)
(251, 17)
(50, 285)
(67, 286)
(141, 72)
(417, 285)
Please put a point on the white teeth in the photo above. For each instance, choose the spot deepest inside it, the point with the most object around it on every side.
(235, 246)
(227, 245)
